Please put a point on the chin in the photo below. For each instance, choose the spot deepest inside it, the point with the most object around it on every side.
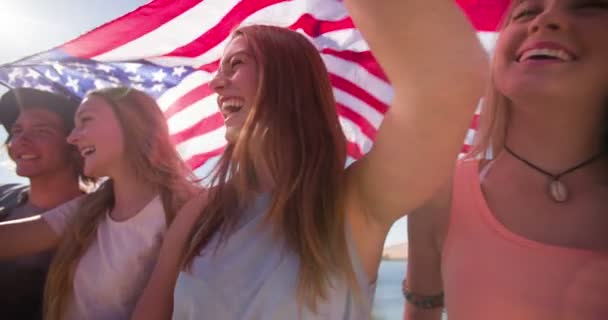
(27, 173)
(537, 93)
(232, 135)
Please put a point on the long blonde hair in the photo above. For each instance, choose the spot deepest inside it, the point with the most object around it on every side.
(494, 115)
(295, 124)
(154, 160)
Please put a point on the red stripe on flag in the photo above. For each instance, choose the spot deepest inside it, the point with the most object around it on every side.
(210, 67)
(222, 30)
(200, 159)
(362, 123)
(365, 59)
(475, 122)
(314, 27)
(358, 92)
(353, 150)
(127, 28)
(188, 99)
(485, 15)
(213, 122)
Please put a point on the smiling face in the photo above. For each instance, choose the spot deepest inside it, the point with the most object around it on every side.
(37, 143)
(99, 138)
(236, 84)
(554, 48)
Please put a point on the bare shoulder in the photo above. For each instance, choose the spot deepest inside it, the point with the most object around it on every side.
(185, 219)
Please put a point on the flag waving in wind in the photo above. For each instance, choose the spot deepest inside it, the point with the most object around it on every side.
(170, 49)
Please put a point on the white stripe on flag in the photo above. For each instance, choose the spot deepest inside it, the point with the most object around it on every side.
(346, 39)
(205, 143)
(176, 33)
(359, 107)
(470, 137)
(359, 76)
(353, 134)
(194, 113)
(488, 40)
(188, 84)
(282, 14)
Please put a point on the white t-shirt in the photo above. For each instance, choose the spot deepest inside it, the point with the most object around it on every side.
(114, 270)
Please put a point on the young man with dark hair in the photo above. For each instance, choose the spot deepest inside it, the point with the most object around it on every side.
(37, 123)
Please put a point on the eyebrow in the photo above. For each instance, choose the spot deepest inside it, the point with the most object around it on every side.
(516, 4)
(43, 125)
(80, 112)
(240, 52)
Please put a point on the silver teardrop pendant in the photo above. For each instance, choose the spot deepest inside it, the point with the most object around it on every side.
(558, 191)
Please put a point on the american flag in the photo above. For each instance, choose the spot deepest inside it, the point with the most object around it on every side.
(170, 49)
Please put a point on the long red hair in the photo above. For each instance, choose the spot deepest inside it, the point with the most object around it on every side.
(295, 124)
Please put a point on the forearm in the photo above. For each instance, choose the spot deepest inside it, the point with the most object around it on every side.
(438, 70)
(25, 237)
(421, 44)
(413, 313)
(156, 302)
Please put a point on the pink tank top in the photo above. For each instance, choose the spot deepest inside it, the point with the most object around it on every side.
(492, 273)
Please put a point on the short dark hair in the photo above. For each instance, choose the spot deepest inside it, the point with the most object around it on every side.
(15, 100)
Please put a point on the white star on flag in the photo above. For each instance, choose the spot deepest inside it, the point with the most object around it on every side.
(32, 73)
(73, 83)
(132, 67)
(159, 75)
(51, 77)
(14, 74)
(104, 67)
(113, 79)
(58, 67)
(137, 78)
(179, 71)
(158, 87)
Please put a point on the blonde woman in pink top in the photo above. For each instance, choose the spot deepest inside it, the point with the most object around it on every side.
(524, 234)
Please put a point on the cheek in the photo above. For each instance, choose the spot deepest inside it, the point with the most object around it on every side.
(50, 145)
(113, 142)
(249, 82)
(9, 150)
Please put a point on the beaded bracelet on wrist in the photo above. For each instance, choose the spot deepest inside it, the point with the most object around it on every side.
(423, 301)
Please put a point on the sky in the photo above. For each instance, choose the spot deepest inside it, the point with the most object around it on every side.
(31, 26)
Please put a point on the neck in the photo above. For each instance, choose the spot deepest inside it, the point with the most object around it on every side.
(556, 139)
(50, 191)
(264, 176)
(130, 195)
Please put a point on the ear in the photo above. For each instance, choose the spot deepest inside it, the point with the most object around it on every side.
(6, 147)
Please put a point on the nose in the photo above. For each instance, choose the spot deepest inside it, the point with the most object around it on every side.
(74, 136)
(19, 138)
(219, 81)
(551, 19)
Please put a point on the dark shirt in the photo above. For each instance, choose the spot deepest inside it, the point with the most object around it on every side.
(21, 279)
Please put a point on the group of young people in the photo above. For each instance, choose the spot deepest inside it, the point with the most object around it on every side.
(285, 231)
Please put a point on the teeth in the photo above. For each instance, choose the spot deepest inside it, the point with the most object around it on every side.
(28, 156)
(87, 151)
(555, 53)
(232, 102)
